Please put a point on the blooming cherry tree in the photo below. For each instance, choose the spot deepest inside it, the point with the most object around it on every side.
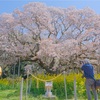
(51, 36)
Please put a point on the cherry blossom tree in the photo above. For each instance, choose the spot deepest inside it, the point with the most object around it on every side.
(55, 38)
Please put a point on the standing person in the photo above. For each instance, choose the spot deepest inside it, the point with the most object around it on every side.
(88, 70)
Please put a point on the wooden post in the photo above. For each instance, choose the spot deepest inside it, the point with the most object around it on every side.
(21, 90)
(13, 74)
(27, 85)
(75, 93)
(30, 84)
(65, 85)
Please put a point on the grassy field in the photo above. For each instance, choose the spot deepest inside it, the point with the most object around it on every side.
(10, 89)
(12, 95)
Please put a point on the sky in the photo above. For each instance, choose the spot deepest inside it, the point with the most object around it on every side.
(8, 6)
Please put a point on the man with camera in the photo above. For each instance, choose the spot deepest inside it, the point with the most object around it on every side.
(88, 71)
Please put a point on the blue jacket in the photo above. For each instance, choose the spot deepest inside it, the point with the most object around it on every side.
(88, 71)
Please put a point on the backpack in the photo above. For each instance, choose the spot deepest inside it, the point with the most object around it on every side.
(97, 83)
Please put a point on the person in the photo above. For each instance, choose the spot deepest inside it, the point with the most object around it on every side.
(88, 73)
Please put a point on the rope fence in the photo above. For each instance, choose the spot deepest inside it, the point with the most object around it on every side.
(45, 80)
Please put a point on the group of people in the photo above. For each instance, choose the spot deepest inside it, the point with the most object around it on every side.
(88, 73)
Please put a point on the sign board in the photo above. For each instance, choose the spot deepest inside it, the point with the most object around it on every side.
(0, 71)
(48, 84)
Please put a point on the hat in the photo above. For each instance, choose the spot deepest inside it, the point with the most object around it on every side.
(85, 61)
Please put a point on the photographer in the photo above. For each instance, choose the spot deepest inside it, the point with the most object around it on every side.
(88, 71)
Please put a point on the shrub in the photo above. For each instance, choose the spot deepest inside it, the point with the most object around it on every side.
(37, 88)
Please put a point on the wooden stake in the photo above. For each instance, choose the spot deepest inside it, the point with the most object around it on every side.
(75, 93)
(65, 85)
(27, 85)
(21, 90)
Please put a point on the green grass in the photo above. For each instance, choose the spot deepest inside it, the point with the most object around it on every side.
(14, 95)
(6, 95)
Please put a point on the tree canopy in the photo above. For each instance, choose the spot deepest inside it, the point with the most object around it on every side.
(55, 38)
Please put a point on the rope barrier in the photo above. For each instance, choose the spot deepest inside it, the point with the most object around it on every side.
(46, 80)
(51, 80)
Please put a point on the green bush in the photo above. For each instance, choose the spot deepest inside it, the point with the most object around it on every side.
(37, 88)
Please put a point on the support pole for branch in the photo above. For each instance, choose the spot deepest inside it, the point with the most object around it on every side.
(19, 67)
(13, 74)
(65, 85)
(21, 90)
